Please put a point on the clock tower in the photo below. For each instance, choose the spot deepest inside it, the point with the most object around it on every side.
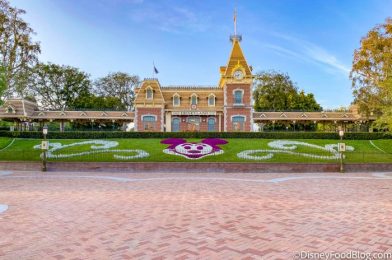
(236, 81)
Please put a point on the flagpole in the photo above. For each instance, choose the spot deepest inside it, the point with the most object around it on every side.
(153, 69)
(235, 22)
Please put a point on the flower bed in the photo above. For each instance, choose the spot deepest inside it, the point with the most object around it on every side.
(97, 146)
(194, 151)
(287, 147)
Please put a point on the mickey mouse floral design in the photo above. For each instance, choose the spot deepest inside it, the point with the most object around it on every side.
(194, 151)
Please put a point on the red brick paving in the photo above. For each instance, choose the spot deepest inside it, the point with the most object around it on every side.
(180, 218)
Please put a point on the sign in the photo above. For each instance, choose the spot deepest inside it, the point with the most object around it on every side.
(194, 113)
(45, 145)
(341, 147)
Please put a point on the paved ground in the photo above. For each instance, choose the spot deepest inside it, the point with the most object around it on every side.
(192, 216)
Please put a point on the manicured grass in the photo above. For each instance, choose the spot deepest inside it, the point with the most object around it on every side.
(385, 145)
(22, 149)
(4, 141)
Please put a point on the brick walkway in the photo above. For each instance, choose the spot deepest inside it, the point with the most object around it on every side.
(192, 216)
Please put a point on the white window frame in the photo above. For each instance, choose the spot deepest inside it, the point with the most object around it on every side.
(144, 122)
(242, 96)
(152, 93)
(172, 119)
(238, 116)
(194, 95)
(179, 100)
(232, 123)
(208, 125)
(155, 116)
(12, 108)
(208, 100)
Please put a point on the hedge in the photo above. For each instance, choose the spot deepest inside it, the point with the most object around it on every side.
(264, 135)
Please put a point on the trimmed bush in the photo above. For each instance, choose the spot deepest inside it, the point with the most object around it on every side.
(199, 135)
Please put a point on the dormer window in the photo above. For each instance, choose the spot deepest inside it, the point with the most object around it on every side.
(211, 100)
(10, 110)
(238, 96)
(176, 100)
(194, 99)
(149, 93)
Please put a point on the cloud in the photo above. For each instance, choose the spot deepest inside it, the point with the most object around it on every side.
(286, 52)
(308, 52)
(168, 18)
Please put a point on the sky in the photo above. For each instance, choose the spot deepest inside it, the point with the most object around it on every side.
(311, 40)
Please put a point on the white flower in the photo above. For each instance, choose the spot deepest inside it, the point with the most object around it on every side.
(97, 146)
(287, 147)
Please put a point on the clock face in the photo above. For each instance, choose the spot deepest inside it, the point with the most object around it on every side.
(238, 74)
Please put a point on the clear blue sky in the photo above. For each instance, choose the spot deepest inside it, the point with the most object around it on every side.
(312, 40)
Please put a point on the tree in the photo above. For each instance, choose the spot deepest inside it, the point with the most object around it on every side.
(120, 85)
(384, 121)
(3, 85)
(58, 87)
(93, 102)
(372, 66)
(277, 92)
(18, 52)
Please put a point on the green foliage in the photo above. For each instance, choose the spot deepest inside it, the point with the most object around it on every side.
(256, 135)
(58, 87)
(18, 52)
(118, 85)
(92, 102)
(384, 121)
(277, 92)
(3, 84)
(372, 65)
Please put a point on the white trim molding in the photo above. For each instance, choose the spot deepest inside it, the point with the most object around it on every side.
(231, 118)
(162, 120)
(12, 108)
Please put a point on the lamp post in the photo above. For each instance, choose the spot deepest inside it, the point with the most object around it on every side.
(341, 148)
(44, 147)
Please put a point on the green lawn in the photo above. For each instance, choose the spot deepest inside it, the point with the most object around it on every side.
(4, 142)
(22, 149)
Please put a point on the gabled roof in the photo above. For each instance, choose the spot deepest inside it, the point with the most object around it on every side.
(157, 97)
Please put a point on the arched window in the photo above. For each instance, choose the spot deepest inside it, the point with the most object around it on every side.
(194, 99)
(211, 124)
(149, 122)
(176, 100)
(238, 123)
(176, 124)
(149, 93)
(238, 95)
(211, 100)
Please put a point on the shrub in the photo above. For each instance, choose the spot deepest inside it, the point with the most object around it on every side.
(199, 135)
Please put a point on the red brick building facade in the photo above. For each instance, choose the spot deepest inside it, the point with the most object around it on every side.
(225, 107)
